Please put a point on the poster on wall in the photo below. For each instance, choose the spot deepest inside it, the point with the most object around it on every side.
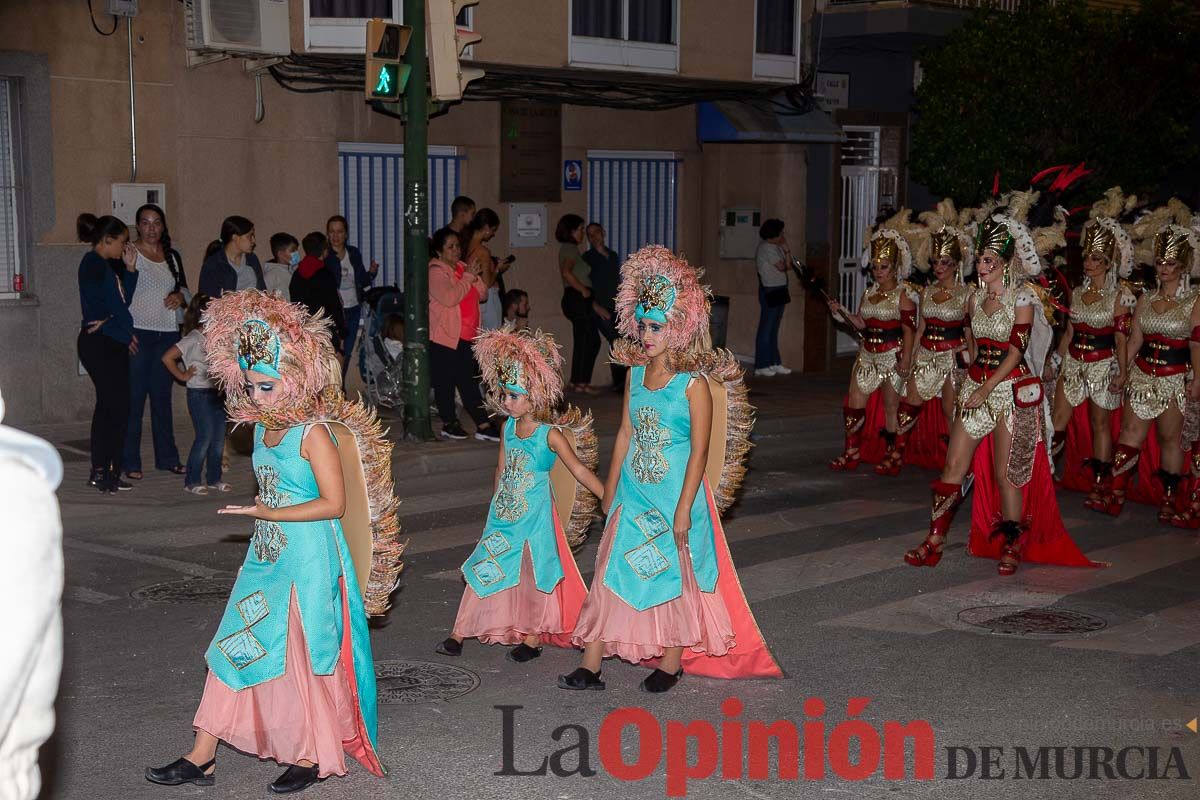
(572, 176)
(530, 152)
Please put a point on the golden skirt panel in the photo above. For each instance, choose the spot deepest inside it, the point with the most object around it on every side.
(872, 369)
(1149, 395)
(1082, 380)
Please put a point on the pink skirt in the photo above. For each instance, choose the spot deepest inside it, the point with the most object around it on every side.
(696, 620)
(508, 616)
(296, 717)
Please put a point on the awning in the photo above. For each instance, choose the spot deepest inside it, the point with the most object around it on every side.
(724, 121)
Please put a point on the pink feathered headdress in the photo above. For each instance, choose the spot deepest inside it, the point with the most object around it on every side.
(523, 361)
(657, 284)
(255, 330)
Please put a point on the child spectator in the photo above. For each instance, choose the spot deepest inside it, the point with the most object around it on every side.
(316, 288)
(393, 335)
(205, 405)
(516, 309)
(285, 255)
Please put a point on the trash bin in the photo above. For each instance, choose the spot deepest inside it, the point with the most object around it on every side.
(719, 322)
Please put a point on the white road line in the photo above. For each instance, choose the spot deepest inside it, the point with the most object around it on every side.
(83, 594)
(931, 612)
(186, 567)
(740, 529)
(1156, 634)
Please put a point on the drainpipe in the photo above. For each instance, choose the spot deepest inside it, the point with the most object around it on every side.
(132, 107)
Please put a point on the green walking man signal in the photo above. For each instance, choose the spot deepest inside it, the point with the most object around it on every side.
(385, 75)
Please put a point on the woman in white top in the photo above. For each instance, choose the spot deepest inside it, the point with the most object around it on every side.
(156, 300)
(772, 261)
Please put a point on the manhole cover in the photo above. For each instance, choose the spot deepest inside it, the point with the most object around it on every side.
(1020, 621)
(187, 591)
(410, 682)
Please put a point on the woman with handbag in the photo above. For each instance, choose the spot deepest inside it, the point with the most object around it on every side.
(887, 321)
(998, 432)
(773, 259)
(944, 343)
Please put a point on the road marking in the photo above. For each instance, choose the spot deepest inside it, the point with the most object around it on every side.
(83, 594)
(186, 567)
(1034, 586)
(1156, 634)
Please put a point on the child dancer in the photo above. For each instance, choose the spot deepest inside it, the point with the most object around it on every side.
(290, 671)
(523, 586)
(665, 589)
(204, 403)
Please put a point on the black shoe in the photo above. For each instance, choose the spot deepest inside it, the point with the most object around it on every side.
(452, 431)
(659, 681)
(487, 434)
(449, 647)
(295, 779)
(183, 771)
(120, 485)
(523, 652)
(96, 478)
(581, 679)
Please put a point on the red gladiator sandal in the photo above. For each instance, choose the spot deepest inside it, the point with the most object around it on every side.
(1101, 484)
(1189, 517)
(946, 498)
(892, 460)
(850, 459)
(1172, 497)
(1124, 463)
(1010, 553)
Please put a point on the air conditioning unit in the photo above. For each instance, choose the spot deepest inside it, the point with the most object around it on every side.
(239, 26)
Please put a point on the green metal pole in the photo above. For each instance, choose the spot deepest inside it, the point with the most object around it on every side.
(416, 235)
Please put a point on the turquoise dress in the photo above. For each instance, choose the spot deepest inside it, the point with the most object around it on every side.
(521, 514)
(309, 558)
(643, 567)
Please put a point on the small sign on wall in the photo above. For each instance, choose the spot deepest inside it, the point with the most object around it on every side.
(572, 176)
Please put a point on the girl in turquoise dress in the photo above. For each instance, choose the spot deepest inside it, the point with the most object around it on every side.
(290, 670)
(665, 590)
(523, 587)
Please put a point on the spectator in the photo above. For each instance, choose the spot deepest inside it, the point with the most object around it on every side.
(516, 309)
(477, 234)
(773, 261)
(285, 255)
(346, 264)
(314, 286)
(606, 275)
(577, 302)
(462, 211)
(155, 324)
(205, 405)
(107, 279)
(234, 267)
(454, 293)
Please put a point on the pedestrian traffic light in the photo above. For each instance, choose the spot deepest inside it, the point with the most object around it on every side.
(385, 75)
(448, 78)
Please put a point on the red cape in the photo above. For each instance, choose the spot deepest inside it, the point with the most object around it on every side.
(1047, 541)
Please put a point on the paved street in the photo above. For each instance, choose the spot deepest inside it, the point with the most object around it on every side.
(819, 557)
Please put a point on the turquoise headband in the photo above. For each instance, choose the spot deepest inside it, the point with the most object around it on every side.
(510, 376)
(258, 349)
(656, 298)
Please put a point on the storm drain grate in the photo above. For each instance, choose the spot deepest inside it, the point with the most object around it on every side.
(1033, 622)
(412, 682)
(188, 591)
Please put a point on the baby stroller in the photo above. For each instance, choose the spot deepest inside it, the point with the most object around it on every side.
(383, 372)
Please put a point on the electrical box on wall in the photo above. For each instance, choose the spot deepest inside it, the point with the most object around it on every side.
(739, 232)
(122, 8)
(128, 197)
(527, 225)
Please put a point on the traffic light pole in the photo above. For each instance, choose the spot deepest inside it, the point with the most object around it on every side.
(416, 235)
